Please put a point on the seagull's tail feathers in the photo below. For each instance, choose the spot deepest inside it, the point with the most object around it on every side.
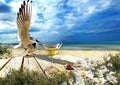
(17, 46)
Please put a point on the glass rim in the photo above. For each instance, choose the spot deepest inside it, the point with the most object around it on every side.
(58, 45)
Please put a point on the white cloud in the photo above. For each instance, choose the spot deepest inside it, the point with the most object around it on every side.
(91, 9)
(88, 6)
(11, 36)
(3, 1)
(46, 36)
(7, 25)
(82, 9)
(49, 12)
(105, 3)
(15, 5)
(8, 38)
(48, 21)
(84, 1)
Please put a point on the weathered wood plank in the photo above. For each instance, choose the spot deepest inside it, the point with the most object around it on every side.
(2, 62)
(30, 63)
(14, 63)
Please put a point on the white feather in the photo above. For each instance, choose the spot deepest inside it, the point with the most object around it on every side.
(23, 24)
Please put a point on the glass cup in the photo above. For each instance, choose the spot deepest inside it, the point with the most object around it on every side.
(52, 49)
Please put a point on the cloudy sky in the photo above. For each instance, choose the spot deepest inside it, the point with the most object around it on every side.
(66, 21)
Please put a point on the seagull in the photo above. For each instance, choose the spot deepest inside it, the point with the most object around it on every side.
(35, 42)
(23, 24)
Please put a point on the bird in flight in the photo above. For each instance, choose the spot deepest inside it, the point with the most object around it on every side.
(23, 24)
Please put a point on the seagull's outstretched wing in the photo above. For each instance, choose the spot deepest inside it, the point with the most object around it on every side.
(23, 23)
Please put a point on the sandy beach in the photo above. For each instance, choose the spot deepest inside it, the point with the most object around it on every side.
(40, 61)
(94, 54)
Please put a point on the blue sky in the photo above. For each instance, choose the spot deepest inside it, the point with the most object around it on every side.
(66, 21)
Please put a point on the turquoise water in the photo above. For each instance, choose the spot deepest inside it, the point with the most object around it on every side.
(86, 46)
(89, 46)
(92, 46)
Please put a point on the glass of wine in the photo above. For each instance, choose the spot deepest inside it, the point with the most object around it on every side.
(52, 49)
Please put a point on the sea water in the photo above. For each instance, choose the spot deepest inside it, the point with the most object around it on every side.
(89, 47)
(84, 46)
(92, 46)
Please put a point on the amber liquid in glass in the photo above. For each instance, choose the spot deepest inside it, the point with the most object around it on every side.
(52, 51)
